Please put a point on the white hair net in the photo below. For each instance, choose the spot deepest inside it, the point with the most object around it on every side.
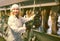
(14, 6)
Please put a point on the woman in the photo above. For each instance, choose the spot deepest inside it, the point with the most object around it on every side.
(15, 23)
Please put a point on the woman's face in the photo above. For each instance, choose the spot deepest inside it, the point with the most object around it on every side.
(15, 11)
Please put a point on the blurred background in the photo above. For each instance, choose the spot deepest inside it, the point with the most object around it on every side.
(47, 16)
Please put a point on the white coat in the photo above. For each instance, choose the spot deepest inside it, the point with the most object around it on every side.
(15, 28)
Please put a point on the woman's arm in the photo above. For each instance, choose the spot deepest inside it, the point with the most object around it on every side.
(27, 19)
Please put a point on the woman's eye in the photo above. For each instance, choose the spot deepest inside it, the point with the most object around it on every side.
(17, 9)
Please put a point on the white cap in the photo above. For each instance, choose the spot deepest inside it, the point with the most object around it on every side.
(14, 6)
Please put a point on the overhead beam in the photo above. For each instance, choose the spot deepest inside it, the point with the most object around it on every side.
(35, 5)
(41, 5)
